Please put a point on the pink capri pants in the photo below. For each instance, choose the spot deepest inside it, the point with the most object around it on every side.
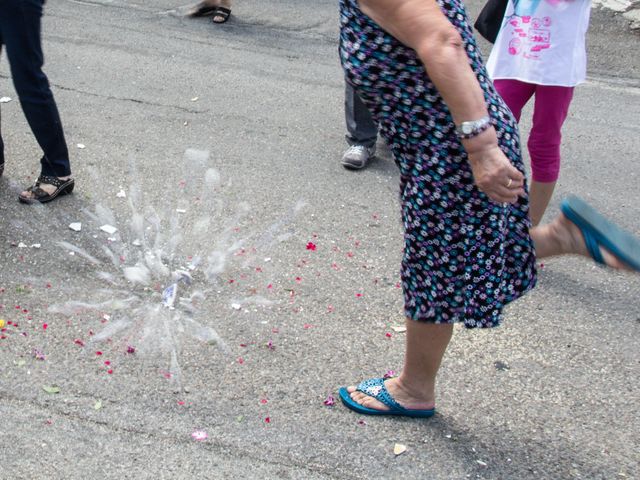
(549, 113)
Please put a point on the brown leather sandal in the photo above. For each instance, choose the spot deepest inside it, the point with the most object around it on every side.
(63, 187)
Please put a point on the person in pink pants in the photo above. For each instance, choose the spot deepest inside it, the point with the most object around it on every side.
(540, 52)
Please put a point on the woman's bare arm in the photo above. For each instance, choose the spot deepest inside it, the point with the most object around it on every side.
(421, 25)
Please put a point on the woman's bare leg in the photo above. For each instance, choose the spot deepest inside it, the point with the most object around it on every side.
(415, 387)
(539, 197)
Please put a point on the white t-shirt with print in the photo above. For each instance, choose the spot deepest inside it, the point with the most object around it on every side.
(542, 42)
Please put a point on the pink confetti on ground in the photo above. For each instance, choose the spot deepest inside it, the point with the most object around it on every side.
(358, 295)
(389, 374)
(263, 401)
(388, 335)
(98, 353)
(307, 326)
(311, 246)
(199, 435)
(330, 401)
(45, 326)
(240, 360)
(267, 420)
(131, 350)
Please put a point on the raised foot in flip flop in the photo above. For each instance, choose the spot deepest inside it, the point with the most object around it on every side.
(387, 397)
(581, 230)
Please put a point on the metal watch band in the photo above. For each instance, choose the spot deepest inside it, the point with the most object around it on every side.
(467, 130)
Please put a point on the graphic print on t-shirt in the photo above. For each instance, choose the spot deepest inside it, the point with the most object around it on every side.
(531, 33)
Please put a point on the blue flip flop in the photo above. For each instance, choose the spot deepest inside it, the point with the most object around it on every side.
(375, 388)
(600, 232)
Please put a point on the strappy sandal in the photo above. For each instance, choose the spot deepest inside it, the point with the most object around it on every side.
(223, 12)
(202, 10)
(39, 195)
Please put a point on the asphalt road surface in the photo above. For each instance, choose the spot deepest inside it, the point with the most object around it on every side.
(214, 151)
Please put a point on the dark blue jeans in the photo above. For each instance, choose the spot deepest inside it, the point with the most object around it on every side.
(20, 22)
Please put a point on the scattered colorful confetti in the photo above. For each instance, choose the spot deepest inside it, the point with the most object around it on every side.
(199, 435)
(330, 401)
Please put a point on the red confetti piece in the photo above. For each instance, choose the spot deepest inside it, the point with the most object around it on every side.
(389, 374)
(311, 246)
(243, 344)
(330, 308)
(240, 360)
(388, 335)
(263, 401)
(181, 402)
(107, 362)
(110, 371)
(45, 326)
(358, 295)
(79, 342)
(48, 285)
(98, 353)
(131, 350)
(330, 401)
(298, 279)
(307, 326)
(270, 286)
(350, 254)
(267, 420)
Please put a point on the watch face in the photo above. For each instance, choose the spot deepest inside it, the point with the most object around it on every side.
(467, 128)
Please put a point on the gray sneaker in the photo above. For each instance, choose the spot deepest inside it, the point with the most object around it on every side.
(357, 156)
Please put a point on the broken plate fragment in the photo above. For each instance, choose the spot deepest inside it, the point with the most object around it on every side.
(108, 229)
(75, 226)
(399, 449)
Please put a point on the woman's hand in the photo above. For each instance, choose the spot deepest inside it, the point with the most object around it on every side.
(495, 176)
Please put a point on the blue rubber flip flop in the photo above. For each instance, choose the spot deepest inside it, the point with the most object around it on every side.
(375, 388)
(600, 232)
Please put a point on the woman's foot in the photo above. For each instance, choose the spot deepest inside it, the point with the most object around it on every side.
(221, 15)
(562, 236)
(47, 188)
(405, 396)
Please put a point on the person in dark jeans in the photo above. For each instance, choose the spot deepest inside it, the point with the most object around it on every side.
(20, 24)
(362, 132)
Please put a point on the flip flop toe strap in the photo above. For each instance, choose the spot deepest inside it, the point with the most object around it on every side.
(375, 388)
(593, 247)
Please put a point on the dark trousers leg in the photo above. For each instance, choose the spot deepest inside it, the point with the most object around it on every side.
(20, 22)
(361, 128)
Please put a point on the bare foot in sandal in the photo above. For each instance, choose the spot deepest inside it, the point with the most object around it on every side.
(47, 189)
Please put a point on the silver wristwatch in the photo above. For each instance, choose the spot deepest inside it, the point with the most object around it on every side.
(470, 129)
